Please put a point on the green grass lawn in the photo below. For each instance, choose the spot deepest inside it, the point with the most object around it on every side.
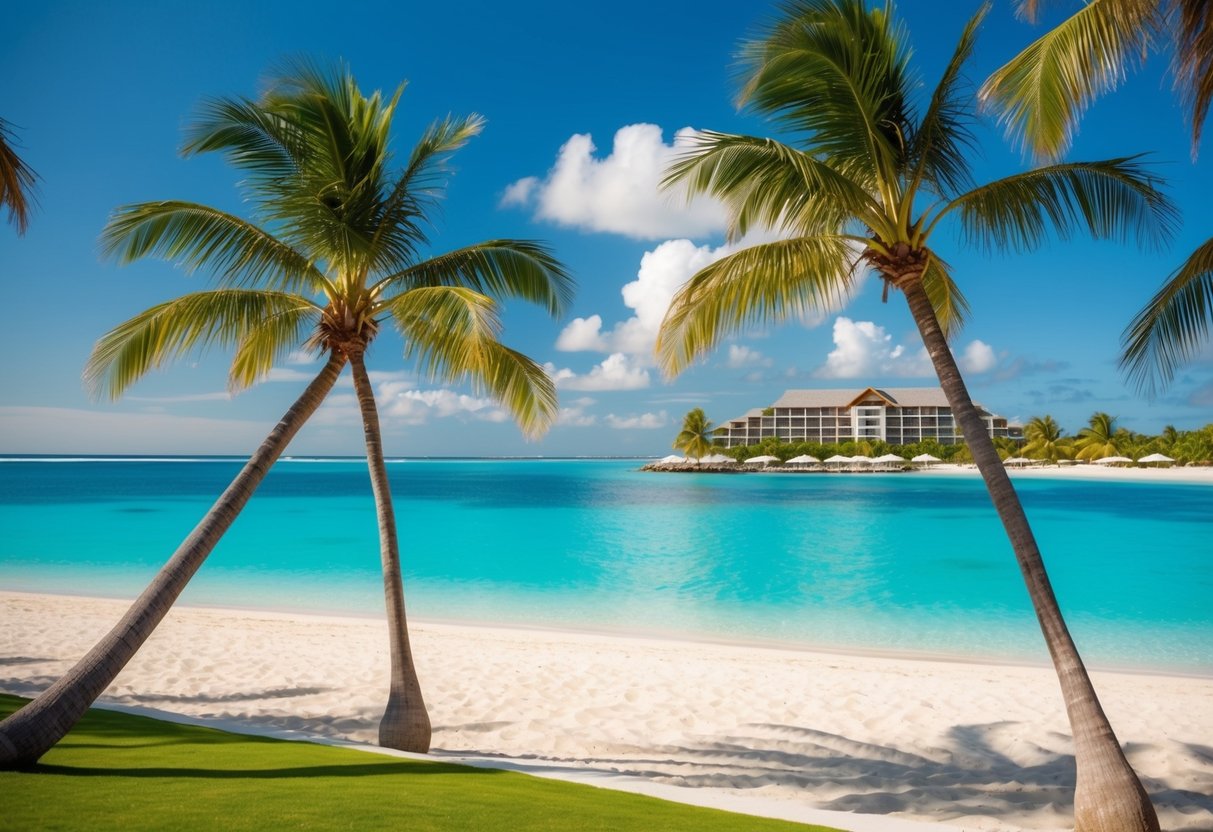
(120, 772)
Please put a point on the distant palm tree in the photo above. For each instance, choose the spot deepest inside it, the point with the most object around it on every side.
(1099, 438)
(873, 175)
(16, 181)
(1044, 440)
(695, 438)
(1043, 90)
(340, 252)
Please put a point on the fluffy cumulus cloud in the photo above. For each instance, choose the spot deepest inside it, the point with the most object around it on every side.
(644, 421)
(616, 372)
(662, 273)
(401, 404)
(619, 193)
(863, 349)
(743, 357)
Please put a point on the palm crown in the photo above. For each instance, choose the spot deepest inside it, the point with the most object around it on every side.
(339, 248)
(871, 178)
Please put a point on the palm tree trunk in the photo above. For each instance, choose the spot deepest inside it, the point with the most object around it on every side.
(405, 724)
(1108, 796)
(32, 731)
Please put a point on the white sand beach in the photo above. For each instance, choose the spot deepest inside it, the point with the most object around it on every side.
(786, 733)
(1190, 474)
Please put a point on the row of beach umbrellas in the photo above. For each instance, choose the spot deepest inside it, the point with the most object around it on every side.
(1107, 460)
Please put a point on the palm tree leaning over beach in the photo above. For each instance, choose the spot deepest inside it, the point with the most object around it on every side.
(695, 438)
(339, 252)
(16, 181)
(1043, 90)
(868, 184)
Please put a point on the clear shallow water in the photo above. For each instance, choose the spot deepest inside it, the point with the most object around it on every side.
(887, 562)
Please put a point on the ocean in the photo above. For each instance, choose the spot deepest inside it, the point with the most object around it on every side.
(893, 563)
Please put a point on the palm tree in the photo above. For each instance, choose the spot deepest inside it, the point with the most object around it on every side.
(695, 438)
(16, 181)
(868, 183)
(1044, 439)
(340, 251)
(1098, 439)
(1043, 90)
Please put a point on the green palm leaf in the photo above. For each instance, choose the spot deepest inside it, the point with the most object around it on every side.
(1115, 199)
(268, 342)
(1042, 91)
(1173, 326)
(196, 236)
(16, 181)
(760, 284)
(170, 330)
(500, 268)
(840, 74)
(951, 307)
(940, 144)
(768, 184)
(452, 332)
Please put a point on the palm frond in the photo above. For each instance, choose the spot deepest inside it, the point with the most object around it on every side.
(196, 236)
(399, 230)
(452, 332)
(1172, 328)
(951, 307)
(1042, 91)
(942, 139)
(17, 181)
(501, 268)
(1112, 199)
(760, 284)
(252, 138)
(269, 342)
(768, 184)
(170, 330)
(839, 72)
(1193, 65)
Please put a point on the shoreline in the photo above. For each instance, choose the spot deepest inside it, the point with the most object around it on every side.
(980, 746)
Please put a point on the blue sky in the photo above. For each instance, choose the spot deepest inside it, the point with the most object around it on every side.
(583, 106)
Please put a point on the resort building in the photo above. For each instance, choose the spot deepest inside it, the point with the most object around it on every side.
(899, 416)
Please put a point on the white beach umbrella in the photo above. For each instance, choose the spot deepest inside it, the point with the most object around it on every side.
(838, 459)
(862, 460)
(1112, 460)
(1016, 460)
(672, 459)
(764, 460)
(926, 458)
(803, 459)
(718, 459)
(890, 458)
(1156, 458)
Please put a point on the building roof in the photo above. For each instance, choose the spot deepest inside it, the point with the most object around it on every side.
(845, 397)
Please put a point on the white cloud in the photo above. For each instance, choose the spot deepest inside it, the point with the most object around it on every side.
(615, 372)
(583, 334)
(741, 356)
(302, 357)
(399, 402)
(574, 415)
(863, 350)
(978, 357)
(286, 374)
(645, 421)
(619, 193)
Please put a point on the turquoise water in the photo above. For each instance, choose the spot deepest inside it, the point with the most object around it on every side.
(893, 562)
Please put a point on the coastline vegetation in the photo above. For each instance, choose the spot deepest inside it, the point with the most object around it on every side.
(1043, 440)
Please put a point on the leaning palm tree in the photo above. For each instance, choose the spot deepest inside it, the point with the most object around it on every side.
(695, 438)
(1044, 440)
(16, 181)
(338, 249)
(1043, 90)
(1099, 438)
(870, 182)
